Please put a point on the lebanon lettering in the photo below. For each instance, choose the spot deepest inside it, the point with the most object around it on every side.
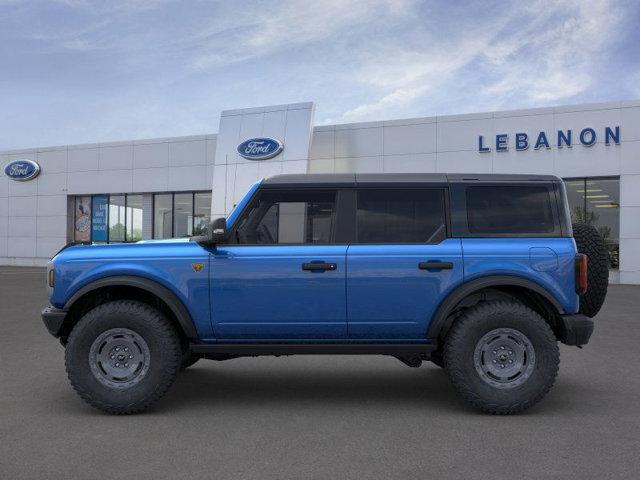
(562, 139)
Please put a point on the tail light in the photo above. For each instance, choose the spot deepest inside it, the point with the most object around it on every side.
(581, 273)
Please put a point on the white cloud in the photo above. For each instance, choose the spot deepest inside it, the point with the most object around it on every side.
(397, 98)
(404, 77)
(254, 33)
(121, 69)
(557, 62)
(543, 51)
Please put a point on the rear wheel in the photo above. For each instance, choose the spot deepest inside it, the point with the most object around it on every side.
(502, 357)
(122, 356)
(437, 359)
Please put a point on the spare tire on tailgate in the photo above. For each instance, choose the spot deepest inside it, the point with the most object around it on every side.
(590, 242)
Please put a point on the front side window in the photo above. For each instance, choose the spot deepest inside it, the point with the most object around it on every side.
(401, 216)
(509, 209)
(281, 217)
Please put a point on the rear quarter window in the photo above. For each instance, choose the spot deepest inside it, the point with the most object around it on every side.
(509, 209)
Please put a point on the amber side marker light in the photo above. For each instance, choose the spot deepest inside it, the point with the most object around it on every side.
(581, 273)
(51, 277)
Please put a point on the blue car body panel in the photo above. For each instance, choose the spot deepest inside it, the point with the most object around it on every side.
(548, 262)
(262, 292)
(389, 297)
(168, 263)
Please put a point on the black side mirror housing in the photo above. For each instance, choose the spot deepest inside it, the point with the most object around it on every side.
(216, 233)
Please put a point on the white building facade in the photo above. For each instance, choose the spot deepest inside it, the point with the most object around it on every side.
(171, 187)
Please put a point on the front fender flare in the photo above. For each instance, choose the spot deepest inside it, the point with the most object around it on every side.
(441, 322)
(167, 296)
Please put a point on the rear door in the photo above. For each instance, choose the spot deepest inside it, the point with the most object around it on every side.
(401, 264)
(283, 277)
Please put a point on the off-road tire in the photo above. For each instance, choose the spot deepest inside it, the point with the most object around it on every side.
(590, 242)
(468, 331)
(437, 359)
(164, 356)
(188, 358)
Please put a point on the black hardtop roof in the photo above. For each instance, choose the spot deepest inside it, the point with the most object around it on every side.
(369, 179)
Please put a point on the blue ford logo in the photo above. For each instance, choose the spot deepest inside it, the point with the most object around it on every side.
(22, 170)
(260, 148)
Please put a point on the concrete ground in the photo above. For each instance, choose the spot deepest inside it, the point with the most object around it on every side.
(316, 417)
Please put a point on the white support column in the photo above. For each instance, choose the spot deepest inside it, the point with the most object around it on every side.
(291, 124)
(629, 229)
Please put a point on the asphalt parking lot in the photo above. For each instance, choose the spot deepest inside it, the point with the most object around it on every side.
(316, 417)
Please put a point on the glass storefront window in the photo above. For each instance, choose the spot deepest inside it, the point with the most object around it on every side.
(201, 212)
(183, 214)
(117, 218)
(99, 216)
(596, 202)
(134, 218)
(162, 215)
(105, 218)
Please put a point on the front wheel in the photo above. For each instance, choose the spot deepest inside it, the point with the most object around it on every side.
(122, 356)
(502, 357)
(188, 359)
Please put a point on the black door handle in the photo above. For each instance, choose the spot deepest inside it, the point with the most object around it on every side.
(435, 265)
(319, 266)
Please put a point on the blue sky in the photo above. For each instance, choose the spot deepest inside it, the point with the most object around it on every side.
(77, 71)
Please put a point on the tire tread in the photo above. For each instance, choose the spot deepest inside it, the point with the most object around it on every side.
(459, 334)
(590, 242)
(163, 328)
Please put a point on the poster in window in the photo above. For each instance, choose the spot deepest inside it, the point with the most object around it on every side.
(99, 214)
(82, 220)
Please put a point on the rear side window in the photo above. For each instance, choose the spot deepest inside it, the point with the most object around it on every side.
(499, 209)
(401, 216)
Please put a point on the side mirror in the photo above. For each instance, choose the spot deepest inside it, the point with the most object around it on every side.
(216, 233)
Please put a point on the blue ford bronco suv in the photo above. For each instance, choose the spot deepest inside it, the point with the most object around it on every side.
(480, 274)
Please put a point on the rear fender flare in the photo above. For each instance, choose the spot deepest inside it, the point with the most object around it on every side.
(441, 321)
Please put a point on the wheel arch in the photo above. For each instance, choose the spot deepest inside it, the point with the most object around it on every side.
(129, 286)
(528, 291)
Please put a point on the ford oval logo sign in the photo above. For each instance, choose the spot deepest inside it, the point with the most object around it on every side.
(22, 170)
(260, 148)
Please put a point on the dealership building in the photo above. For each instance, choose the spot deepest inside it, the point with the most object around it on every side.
(170, 187)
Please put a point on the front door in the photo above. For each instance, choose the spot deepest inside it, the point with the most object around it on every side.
(281, 277)
(401, 264)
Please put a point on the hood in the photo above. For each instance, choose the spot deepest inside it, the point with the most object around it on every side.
(165, 240)
(141, 249)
